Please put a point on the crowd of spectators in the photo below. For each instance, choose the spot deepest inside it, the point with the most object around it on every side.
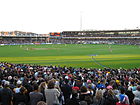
(96, 41)
(100, 34)
(21, 41)
(25, 84)
(64, 40)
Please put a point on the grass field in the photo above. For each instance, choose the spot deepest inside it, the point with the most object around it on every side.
(76, 55)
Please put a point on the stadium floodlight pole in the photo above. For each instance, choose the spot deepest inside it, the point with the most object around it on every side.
(137, 28)
(81, 20)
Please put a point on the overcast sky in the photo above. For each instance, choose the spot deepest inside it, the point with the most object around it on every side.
(43, 16)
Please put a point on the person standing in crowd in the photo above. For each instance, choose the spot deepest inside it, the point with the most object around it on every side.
(67, 90)
(123, 98)
(41, 103)
(101, 85)
(78, 82)
(52, 94)
(136, 101)
(20, 98)
(110, 97)
(6, 94)
(19, 85)
(130, 95)
(98, 98)
(74, 100)
(41, 89)
(35, 96)
(137, 92)
(85, 95)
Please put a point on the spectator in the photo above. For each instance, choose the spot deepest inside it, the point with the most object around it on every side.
(74, 100)
(20, 98)
(85, 95)
(137, 92)
(123, 99)
(110, 97)
(130, 95)
(136, 101)
(41, 103)
(19, 85)
(67, 90)
(52, 94)
(35, 96)
(98, 98)
(100, 85)
(6, 94)
(41, 89)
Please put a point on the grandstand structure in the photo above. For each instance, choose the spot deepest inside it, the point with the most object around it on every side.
(73, 37)
(20, 37)
(104, 36)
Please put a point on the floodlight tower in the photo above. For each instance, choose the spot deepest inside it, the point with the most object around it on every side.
(81, 20)
(137, 27)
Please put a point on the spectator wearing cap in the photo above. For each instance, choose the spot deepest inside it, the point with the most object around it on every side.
(19, 85)
(74, 100)
(106, 91)
(6, 94)
(90, 85)
(109, 87)
(137, 92)
(10, 79)
(76, 88)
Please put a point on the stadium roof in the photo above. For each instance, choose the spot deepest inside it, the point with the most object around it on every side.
(127, 30)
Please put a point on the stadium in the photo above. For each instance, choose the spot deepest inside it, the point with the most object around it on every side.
(111, 48)
(69, 52)
(70, 68)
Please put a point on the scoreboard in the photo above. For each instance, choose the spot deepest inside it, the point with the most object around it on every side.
(55, 34)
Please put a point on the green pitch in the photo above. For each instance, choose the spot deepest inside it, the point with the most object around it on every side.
(76, 55)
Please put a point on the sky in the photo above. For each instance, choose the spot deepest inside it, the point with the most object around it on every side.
(44, 16)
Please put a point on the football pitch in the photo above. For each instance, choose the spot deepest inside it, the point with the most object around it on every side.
(75, 55)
